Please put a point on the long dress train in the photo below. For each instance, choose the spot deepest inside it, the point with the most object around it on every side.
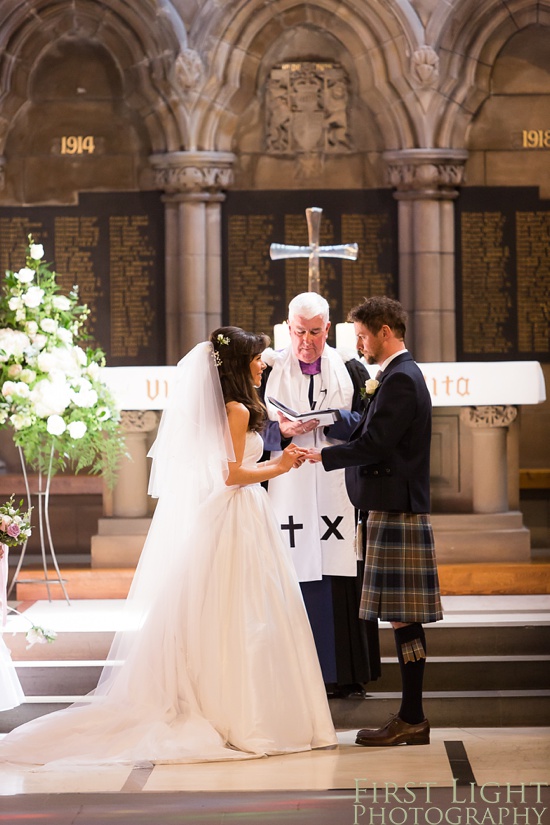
(224, 664)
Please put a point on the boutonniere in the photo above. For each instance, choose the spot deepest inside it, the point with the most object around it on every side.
(371, 385)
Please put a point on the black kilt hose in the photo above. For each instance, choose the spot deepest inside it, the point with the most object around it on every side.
(401, 582)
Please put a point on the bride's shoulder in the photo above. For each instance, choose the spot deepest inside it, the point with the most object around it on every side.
(237, 411)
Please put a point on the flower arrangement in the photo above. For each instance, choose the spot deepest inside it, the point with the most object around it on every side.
(15, 529)
(15, 525)
(51, 391)
(371, 385)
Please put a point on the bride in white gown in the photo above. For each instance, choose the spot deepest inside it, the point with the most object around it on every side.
(216, 659)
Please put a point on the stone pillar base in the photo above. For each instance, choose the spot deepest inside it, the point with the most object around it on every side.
(119, 542)
(479, 537)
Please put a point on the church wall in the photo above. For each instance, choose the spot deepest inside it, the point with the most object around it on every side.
(425, 98)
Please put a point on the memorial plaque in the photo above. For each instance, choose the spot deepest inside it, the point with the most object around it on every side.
(503, 274)
(112, 246)
(257, 291)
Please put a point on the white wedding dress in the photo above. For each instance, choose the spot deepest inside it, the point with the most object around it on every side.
(11, 692)
(223, 664)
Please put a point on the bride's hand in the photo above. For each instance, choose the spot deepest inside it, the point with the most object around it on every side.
(292, 456)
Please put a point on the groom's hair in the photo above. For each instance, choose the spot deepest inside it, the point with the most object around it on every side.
(236, 348)
(374, 312)
(308, 305)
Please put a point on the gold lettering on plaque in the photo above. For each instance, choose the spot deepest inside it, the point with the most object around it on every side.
(77, 144)
(536, 139)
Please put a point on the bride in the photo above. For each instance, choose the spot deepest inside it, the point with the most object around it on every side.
(216, 659)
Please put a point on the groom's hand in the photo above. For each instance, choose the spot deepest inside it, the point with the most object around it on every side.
(313, 456)
(290, 428)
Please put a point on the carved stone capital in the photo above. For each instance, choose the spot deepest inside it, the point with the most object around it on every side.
(485, 417)
(188, 69)
(193, 172)
(139, 421)
(425, 67)
(431, 173)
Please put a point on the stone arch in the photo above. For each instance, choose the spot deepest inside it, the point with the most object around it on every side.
(469, 42)
(144, 41)
(379, 38)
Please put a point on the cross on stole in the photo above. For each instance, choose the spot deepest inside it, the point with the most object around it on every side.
(291, 527)
(278, 251)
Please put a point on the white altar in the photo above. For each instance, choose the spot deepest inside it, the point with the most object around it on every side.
(475, 467)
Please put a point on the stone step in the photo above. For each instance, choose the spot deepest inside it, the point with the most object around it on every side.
(488, 662)
(471, 709)
(455, 579)
(479, 673)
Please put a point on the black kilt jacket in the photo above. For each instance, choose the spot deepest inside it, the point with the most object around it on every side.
(387, 457)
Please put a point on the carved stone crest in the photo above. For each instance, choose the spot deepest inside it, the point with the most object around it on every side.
(425, 66)
(306, 109)
(188, 69)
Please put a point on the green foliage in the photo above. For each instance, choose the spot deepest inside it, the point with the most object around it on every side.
(51, 390)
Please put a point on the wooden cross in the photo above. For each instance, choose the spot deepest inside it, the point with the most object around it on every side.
(277, 251)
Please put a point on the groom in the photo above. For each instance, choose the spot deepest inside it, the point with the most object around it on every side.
(387, 461)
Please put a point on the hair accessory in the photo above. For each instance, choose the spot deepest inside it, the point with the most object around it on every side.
(223, 341)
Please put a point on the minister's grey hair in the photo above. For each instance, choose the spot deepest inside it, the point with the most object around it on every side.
(308, 305)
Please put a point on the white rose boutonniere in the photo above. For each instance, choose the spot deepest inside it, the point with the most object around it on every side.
(371, 385)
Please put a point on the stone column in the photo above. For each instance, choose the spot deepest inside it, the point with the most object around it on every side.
(130, 494)
(425, 181)
(490, 465)
(193, 182)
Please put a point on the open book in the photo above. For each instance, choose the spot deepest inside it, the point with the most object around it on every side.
(326, 417)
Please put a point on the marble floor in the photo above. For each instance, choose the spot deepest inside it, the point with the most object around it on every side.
(492, 779)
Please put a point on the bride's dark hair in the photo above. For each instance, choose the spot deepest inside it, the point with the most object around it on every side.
(234, 350)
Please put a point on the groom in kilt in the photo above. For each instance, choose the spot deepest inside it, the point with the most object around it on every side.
(387, 463)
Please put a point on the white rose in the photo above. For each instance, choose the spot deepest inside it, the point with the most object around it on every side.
(8, 389)
(27, 376)
(46, 361)
(77, 429)
(31, 327)
(61, 302)
(65, 335)
(50, 397)
(33, 297)
(13, 342)
(94, 371)
(80, 355)
(20, 390)
(371, 385)
(55, 425)
(15, 370)
(3, 416)
(36, 251)
(15, 302)
(84, 398)
(39, 341)
(25, 275)
(48, 325)
(19, 421)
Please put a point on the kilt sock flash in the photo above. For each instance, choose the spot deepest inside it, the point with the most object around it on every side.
(410, 642)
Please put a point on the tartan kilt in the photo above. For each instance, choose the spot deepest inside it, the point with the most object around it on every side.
(401, 582)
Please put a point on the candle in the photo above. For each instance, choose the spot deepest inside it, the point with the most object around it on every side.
(281, 336)
(345, 338)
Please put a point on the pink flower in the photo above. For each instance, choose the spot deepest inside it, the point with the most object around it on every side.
(13, 530)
